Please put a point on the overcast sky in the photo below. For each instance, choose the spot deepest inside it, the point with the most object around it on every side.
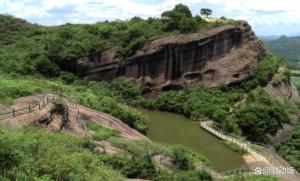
(267, 17)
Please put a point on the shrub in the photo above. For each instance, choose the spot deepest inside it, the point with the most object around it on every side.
(127, 90)
(266, 69)
(140, 167)
(181, 159)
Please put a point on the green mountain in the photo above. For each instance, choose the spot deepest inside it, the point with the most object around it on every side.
(287, 47)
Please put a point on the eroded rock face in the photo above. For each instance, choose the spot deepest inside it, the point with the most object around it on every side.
(222, 55)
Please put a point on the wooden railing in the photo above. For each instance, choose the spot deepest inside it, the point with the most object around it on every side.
(10, 113)
(27, 109)
(267, 151)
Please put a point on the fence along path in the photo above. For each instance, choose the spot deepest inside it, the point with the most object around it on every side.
(44, 102)
(28, 109)
(261, 152)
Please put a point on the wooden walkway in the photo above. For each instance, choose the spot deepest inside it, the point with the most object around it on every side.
(266, 154)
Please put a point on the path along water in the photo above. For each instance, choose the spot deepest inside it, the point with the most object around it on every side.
(172, 128)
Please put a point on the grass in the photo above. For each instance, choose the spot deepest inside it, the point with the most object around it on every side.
(236, 148)
(251, 177)
(296, 81)
(99, 132)
(32, 154)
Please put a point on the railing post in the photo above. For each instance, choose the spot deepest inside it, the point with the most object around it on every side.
(13, 111)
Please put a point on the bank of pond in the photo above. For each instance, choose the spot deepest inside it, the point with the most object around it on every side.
(171, 128)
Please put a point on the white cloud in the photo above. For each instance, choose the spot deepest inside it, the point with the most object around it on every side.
(264, 12)
(22, 9)
(257, 12)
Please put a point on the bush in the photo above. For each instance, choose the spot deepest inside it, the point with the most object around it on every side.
(140, 167)
(127, 91)
(46, 68)
(264, 73)
(181, 159)
(266, 69)
(172, 101)
(187, 25)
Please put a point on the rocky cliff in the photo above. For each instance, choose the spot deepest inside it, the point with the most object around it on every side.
(221, 55)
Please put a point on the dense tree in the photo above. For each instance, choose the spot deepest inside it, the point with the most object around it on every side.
(175, 16)
(187, 25)
(205, 12)
(260, 116)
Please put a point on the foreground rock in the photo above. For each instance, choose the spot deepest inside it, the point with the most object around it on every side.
(221, 55)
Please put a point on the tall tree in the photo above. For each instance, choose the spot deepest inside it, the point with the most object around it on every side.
(174, 16)
(206, 12)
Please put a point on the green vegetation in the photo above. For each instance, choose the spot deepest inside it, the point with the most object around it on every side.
(295, 72)
(98, 96)
(142, 166)
(287, 47)
(252, 178)
(235, 147)
(181, 159)
(290, 148)
(296, 82)
(99, 132)
(282, 77)
(260, 116)
(265, 72)
(32, 154)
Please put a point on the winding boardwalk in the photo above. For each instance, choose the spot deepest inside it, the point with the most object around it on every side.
(269, 157)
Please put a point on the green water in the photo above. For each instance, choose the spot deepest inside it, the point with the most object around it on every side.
(172, 128)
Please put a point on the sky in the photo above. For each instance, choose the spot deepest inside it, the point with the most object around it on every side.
(267, 17)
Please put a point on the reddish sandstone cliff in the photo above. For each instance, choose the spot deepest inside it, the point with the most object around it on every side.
(221, 55)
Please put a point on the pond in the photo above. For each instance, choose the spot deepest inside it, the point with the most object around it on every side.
(171, 128)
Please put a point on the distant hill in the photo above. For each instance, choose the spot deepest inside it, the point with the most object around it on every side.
(268, 38)
(287, 47)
